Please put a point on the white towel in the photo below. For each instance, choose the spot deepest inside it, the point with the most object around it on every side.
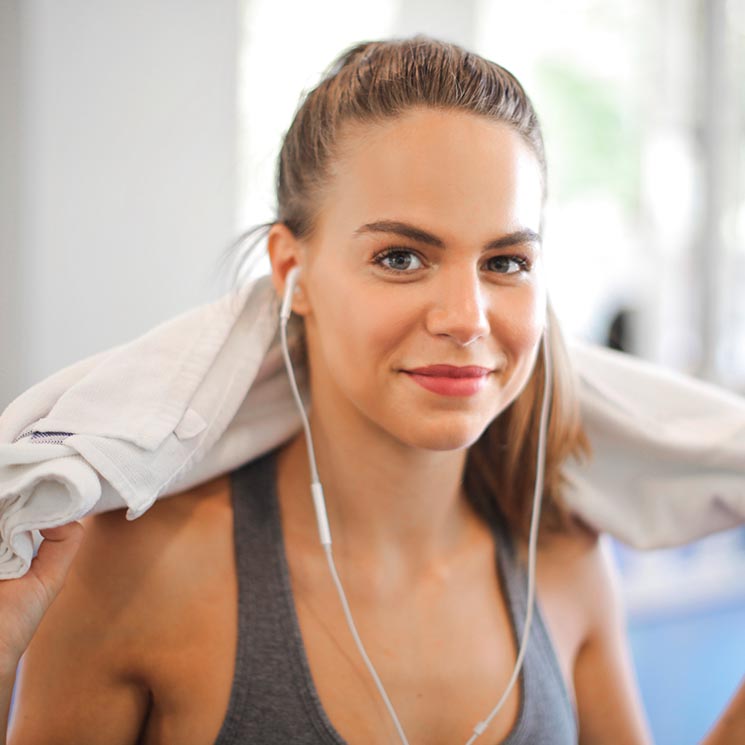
(207, 391)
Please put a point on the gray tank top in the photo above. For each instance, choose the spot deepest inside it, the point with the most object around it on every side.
(273, 700)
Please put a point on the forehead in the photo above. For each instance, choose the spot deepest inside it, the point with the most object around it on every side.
(452, 170)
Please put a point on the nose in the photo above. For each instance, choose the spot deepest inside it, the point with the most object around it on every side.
(459, 308)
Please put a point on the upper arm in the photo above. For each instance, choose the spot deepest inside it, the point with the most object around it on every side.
(77, 682)
(609, 705)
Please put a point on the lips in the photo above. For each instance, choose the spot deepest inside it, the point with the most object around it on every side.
(451, 371)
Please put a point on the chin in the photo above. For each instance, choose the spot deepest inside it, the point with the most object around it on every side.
(443, 437)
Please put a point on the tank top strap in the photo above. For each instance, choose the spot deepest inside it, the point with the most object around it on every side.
(269, 697)
(546, 713)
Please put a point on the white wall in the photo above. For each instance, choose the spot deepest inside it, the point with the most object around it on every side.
(126, 172)
(11, 355)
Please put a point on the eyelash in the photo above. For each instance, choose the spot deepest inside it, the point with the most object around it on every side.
(523, 262)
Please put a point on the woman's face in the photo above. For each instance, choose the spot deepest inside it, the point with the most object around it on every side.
(400, 275)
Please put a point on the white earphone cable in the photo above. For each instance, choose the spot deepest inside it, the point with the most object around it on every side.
(325, 532)
(532, 542)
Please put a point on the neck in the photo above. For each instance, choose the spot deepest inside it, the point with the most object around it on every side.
(388, 504)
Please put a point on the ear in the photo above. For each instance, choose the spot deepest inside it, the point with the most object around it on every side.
(285, 252)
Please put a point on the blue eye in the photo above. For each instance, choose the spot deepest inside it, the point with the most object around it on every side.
(522, 263)
(397, 253)
(402, 254)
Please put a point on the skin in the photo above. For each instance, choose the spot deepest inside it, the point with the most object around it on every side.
(392, 453)
(139, 645)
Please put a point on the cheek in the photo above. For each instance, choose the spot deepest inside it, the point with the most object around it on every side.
(376, 328)
(517, 327)
(519, 312)
(362, 331)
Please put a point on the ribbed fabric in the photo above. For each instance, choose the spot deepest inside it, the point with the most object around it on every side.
(273, 700)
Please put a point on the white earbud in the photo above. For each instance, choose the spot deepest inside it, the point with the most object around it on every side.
(290, 282)
(324, 531)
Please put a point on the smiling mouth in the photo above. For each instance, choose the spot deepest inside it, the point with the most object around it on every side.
(447, 385)
(451, 371)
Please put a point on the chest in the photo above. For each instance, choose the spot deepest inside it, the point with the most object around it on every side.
(445, 652)
(451, 642)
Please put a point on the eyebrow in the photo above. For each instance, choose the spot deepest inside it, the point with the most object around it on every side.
(524, 235)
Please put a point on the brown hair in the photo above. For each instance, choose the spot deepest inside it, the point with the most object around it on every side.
(374, 81)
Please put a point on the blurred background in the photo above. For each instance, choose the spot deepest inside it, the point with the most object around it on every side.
(139, 138)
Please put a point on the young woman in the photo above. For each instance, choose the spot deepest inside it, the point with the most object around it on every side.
(411, 187)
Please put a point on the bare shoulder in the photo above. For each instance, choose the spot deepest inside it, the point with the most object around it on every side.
(157, 555)
(577, 573)
(567, 568)
(130, 569)
(87, 674)
(580, 567)
(578, 561)
(129, 580)
(165, 513)
(571, 567)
